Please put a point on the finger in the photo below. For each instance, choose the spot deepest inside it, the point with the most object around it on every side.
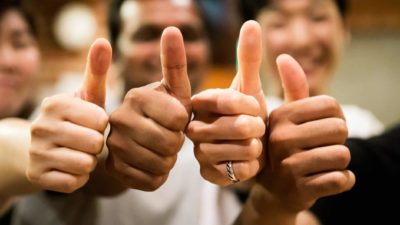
(217, 174)
(240, 127)
(323, 159)
(98, 61)
(229, 151)
(224, 102)
(312, 108)
(294, 81)
(249, 62)
(325, 132)
(78, 138)
(329, 183)
(149, 161)
(145, 131)
(249, 58)
(174, 67)
(65, 108)
(133, 177)
(70, 161)
(60, 181)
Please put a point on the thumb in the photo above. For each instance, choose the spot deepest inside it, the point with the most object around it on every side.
(294, 81)
(99, 58)
(249, 57)
(174, 66)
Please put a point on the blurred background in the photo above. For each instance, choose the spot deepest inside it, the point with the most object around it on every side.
(369, 75)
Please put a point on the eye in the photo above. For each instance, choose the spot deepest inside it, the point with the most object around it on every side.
(146, 34)
(191, 34)
(319, 17)
(21, 41)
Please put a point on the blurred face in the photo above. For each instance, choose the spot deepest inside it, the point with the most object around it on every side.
(19, 63)
(139, 40)
(312, 31)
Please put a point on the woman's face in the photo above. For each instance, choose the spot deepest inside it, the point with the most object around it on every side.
(312, 31)
(19, 63)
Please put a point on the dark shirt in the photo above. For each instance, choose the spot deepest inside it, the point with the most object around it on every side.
(6, 218)
(375, 198)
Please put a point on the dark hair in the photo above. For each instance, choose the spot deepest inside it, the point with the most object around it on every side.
(249, 9)
(6, 5)
(114, 19)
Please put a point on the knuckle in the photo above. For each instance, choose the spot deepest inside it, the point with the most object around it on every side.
(154, 183)
(40, 129)
(330, 103)
(167, 164)
(50, 104)
(180, 118)
(337, 183)
(242, 126)
(243, 170)
(234, 98)
(341, 127)
(32, 175)
(343, 156)
(97, 143)
(71, 185)
(87, 164)
(172, 145)
(254, 149)
(277, 137)
(133, 95)
(102, 121)
(289, 164)
(275, 116)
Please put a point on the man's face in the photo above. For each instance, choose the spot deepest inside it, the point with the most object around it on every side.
(312, 31)
(139, 40)
(19, 63)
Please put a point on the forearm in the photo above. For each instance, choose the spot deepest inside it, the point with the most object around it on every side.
(14, 151)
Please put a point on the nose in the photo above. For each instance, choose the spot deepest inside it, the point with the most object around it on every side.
(301, 34)
(7, 59)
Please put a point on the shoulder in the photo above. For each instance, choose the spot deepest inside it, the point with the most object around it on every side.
(361, 122)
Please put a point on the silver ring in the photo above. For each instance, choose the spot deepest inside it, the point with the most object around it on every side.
(231, 172)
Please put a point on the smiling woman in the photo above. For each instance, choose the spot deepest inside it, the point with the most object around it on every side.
(315, 33)
(19, 61)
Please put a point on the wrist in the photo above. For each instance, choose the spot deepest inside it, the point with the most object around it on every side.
(269, 208)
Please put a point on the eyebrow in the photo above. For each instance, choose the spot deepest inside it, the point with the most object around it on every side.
(16, 33)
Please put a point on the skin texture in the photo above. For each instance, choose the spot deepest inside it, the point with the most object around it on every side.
(138, 44)
(312, 31)
(68, 134)
(302, 165)
(19, 63)
(156, 81)
(141, 118)
(239, 111)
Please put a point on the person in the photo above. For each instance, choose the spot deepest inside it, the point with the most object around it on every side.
(375, 163)
(315, 33)
(135, 38)
(54, 204)
(301, 165)
(20, 62)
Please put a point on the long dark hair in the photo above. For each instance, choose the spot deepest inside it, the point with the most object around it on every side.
(6, 5)
(249, 9)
